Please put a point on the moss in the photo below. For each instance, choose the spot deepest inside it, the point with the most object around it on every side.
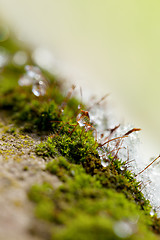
(46, 149)
(44, 210)
(85, 209)
(82, 150)
(58, 167)
(39, 193)
(91, 198)
(85, 227)
(1, 125)
(25, 168)
(12, 130)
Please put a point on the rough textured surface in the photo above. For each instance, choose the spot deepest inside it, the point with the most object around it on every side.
(20, 168)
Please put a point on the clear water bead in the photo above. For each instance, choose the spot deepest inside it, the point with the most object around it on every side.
(122, 168)
(104, 160)
(124, 229)
(104, 157)
(152, 212)
(35, 78)
(25, 80)
(33, 72)
(39, 88)
(100, 151)
(104, 163)
(83, 120)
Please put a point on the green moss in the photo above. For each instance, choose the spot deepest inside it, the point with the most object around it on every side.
(91, 198)
(85, 209)
(46, 149)
(86, 227)
(25, 168)
(44, 210)
(101, 228)
(40, 193)
(12, 130)
(82, 150)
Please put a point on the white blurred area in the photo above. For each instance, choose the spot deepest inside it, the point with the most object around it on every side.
(104, 46)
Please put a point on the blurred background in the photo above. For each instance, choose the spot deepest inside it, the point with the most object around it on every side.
(104, 46)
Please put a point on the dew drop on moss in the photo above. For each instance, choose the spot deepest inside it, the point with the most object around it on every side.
(39, 88)
(124, 229)
(25, 80)
(33, 72)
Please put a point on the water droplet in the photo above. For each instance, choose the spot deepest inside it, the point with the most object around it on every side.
(80, 120)
(4, 57)
(33, 72)
(103, 156)
(104, 163)
(152, 213)
(100, 151)
(83, 119)
(39, 88)
(104, 160)
(25, 80)
(20, 58)
(88, 127)
(73, 173)
(35, 78)
(124, 229)
(122, 168)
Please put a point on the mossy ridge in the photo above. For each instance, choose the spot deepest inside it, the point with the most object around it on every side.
(85, 207)
(82, 149)
(43, 115)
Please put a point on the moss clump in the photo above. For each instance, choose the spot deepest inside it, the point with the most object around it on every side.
(85, 227)
(39, 193)
(81, 207)
(58, 167)
(82, 150)
(46, 149)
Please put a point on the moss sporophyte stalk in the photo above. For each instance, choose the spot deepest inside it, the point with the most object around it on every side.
(98, 196)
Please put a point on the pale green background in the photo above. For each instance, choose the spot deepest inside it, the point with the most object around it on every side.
(108, 45)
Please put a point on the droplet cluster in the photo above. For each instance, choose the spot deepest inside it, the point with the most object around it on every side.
(103, 156)
(36, 79)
